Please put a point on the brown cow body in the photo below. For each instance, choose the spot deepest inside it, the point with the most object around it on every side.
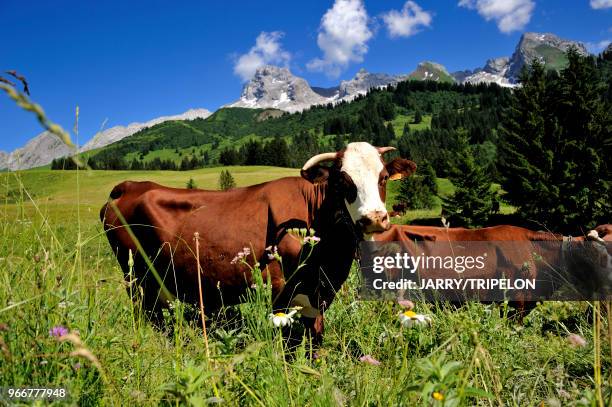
(502, 233)
(254, 217)
(513, 261)
(164, 221)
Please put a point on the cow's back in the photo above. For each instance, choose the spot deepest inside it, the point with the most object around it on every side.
(164, 221)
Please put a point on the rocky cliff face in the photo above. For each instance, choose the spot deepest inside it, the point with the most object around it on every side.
(117, 133)
(40, 150)
(278, 88)
(45, 147)
(363, 82)
(275, 87)
(549, 49)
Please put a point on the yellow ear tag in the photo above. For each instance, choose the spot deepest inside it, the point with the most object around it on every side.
(395, 177)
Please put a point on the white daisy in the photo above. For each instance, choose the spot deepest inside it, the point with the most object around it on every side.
(411, 318)
(281, 319)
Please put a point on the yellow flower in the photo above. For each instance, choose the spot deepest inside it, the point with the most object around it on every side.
(437, 396)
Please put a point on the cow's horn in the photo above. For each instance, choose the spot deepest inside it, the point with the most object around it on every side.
(382, 150)
(319, 158)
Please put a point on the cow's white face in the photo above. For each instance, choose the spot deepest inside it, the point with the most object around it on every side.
(364, 164)
(362, 180)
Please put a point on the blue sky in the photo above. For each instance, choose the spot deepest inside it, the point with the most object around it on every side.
(132, 61)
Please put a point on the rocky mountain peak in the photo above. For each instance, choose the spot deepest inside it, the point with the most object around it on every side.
(497, 65)
(433, 71)
(545, 47)
(363, 81)
(548, 48)
(276, 87)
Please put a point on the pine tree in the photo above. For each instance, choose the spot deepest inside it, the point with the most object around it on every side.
(418, 117)
(556, 147)
(429, 177)
(419, 191)
(191, 184)
(226, 180)
(406, 130)
(471, 203)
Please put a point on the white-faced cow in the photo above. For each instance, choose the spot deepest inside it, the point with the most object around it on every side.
(342, 202)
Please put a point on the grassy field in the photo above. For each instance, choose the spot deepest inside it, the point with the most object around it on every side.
(401, 120)
(57, 271)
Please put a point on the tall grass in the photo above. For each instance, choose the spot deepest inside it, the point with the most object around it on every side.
(57, 270)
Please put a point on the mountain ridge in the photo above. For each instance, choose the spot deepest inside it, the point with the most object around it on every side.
(548, 48)
(275, 87)
(44, 147)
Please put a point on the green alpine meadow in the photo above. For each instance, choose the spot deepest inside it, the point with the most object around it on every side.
(154, 252)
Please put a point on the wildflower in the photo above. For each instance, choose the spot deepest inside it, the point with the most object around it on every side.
(576, 340)
(437, 396)
(64, 304)
(304, 235)
(272, 253)
(58, 331)
(312, 240)
(241, 255)
(77, 366)
(406, 304)
(369, 359)
(281, 319)
(410, 318)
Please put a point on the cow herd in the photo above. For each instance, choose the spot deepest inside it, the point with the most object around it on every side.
(340, 195)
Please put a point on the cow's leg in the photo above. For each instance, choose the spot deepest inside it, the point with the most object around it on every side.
(314, 328)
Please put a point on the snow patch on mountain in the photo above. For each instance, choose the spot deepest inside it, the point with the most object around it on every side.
(276, 87)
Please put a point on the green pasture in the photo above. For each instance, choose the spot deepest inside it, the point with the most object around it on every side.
(57, 271)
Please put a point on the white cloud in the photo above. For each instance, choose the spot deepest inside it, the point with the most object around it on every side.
(267, 50)
(597, 47)
(343, 36)
(408, 21)
(510, 15)
(599, 4)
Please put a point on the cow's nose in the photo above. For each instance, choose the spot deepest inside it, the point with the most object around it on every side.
(379, 221)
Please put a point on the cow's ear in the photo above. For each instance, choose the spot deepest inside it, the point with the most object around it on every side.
(316, 174)
(400, 168)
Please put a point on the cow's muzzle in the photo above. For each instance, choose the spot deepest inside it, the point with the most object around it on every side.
(374, 222)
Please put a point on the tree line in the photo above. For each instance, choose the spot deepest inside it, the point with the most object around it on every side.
(551, 153)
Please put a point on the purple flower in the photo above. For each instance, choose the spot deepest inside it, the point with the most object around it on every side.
(272, 252)
(76, 366)
(369, 359)
(406, 304)
(58, 331)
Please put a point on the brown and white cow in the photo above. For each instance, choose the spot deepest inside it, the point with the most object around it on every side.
(342, 203)
(591, 263)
